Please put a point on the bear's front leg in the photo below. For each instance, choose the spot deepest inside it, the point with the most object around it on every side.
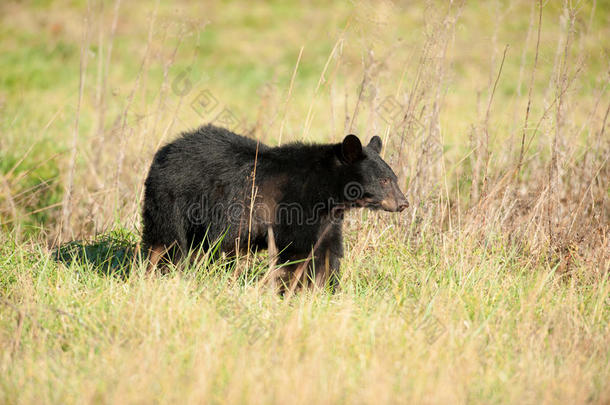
(326, 269)
(327, 261)
(320, 270)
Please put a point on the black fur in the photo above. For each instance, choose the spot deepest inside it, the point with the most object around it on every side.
(199, 190)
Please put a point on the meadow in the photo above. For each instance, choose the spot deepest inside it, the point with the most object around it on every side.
(492, 287)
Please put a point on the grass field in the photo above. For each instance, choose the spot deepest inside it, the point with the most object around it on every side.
(493, 287)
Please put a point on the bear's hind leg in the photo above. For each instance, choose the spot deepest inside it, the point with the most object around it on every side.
(155, 253)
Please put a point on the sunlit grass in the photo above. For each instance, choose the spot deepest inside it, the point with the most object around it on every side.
(487, 326)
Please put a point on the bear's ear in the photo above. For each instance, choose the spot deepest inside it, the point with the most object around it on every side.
(351, 149)
(375, 144)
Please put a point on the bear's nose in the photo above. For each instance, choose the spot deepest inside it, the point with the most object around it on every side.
(403, 205)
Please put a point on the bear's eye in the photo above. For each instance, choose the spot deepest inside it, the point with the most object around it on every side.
(385, 181)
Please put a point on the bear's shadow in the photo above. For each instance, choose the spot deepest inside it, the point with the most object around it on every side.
(107, 255)
(117, 254)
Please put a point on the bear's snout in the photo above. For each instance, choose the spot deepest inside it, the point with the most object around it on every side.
(395, 201)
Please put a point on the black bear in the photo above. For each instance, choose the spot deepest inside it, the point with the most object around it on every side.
(213, 186)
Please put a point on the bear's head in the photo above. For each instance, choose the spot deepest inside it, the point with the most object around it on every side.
(371, 182)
